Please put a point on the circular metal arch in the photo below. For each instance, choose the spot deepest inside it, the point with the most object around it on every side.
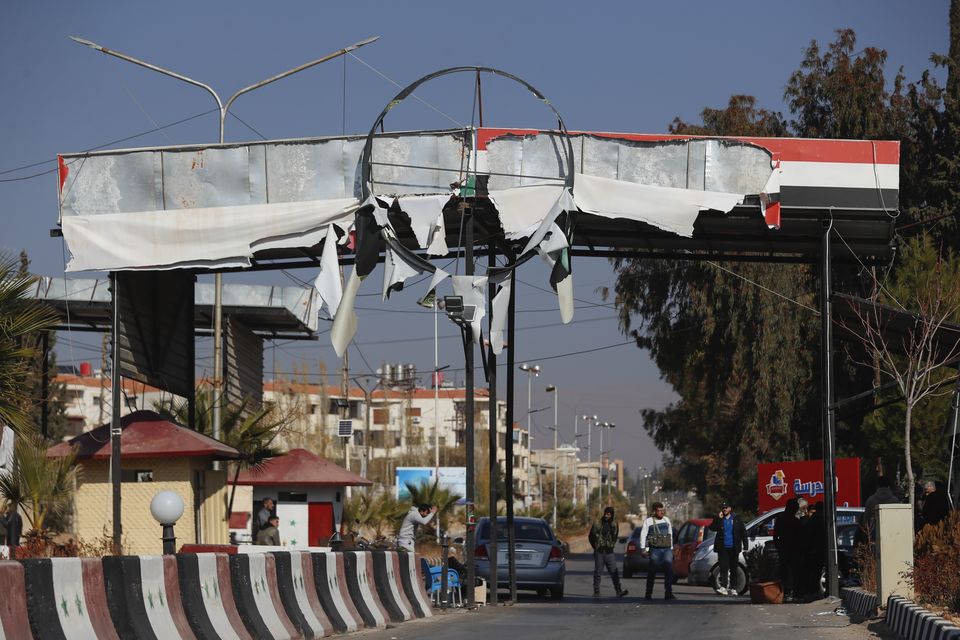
(366, 156)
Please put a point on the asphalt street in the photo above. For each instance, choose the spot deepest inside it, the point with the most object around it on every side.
(697, 613)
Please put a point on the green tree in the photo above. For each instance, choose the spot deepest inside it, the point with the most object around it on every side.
(21, 318)
(433, 494)
(41, 485)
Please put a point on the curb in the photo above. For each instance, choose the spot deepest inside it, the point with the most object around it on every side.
(911, 621)
(861, 602)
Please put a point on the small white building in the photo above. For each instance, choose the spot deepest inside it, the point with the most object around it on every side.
(308, 492)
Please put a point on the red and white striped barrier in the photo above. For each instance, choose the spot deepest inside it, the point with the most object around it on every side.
(207, 595)
(386, 570)
(413, 584)
(298, 592)
(14, 620)
(143, 594)
(257, 594)
(363, 589)
(66, 598)
(331, 581)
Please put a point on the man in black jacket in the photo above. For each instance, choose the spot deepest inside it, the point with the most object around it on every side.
(603, 537)
(731, 539)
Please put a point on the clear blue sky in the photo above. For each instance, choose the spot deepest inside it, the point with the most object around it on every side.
(612, 66)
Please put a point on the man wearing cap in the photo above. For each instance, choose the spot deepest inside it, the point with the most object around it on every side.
(731, 539)
(603, 536)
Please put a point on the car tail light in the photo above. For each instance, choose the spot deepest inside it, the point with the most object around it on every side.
(555, 554)
(631, 547)
(480, 551)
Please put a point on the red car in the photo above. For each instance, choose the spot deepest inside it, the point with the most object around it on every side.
(685, 541)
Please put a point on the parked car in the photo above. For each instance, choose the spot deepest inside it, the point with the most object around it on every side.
(685, 543)
(704, 567)
(633, 559)
(541, 565)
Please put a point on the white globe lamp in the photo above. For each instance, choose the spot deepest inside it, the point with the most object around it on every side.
(166, 508)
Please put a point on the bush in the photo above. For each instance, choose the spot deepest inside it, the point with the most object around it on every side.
(936, 565)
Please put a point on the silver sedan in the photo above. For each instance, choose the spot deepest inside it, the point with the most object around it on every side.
(541, 565)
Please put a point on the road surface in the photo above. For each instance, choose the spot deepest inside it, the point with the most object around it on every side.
(698, 614)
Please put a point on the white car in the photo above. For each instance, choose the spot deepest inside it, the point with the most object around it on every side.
(704, 568)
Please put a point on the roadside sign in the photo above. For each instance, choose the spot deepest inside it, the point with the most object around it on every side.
(777, 482)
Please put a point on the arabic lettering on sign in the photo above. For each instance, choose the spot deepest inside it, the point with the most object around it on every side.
(812, 489)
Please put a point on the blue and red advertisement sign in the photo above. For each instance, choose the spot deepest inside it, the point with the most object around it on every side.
(777, 482)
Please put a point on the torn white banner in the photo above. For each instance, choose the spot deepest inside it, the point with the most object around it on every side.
(473, 289)
(329, 283)
(564, 202)
(501, 306)
(522, 209)
(426, 217)
(208, 237)
(438, 276)
(395, 271)
(380, 213)
(565, 286)
(666, 208)
(345, 323)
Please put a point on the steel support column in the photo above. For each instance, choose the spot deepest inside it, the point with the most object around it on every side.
(115, 428)
(469, 415)
(494, 421)
(511, 368)
(828, 417)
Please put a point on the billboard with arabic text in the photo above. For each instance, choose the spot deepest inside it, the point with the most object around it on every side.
(777, 482)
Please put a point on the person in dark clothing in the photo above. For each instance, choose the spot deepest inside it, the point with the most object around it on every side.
(788, 538)
(270, 534)
(261, 519)
(936, 507)
(814, 549)
(603, 537)
(730, 541)
(11, 521)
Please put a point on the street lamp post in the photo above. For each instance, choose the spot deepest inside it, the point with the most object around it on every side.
(604, 425)
(556, 399)
(223, 109)
(531, 371)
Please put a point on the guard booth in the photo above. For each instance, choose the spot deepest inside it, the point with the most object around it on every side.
(309, 492)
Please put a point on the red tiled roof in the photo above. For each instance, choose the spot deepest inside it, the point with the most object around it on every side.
(300, 468)
(145, 434)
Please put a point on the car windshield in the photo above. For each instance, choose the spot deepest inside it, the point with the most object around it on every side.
(529, 530)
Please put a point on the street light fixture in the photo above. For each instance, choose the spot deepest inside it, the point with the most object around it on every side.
(604, 425)
(166, 508)
(531, 371)
(556, 399)
(223, 109)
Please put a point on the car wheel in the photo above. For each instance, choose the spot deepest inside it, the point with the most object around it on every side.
(556, 593)
(740, 579)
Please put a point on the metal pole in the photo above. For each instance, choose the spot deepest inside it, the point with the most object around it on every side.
(492, 440)
(436, 395)
(529, 429)
(115, 428)
(829, 436)
(556, 460)
(954, 414)
(511, 365)
(576, 456)
(601, 465)
(471, 472)
(45, 385)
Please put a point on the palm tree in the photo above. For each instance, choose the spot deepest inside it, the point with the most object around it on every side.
(41, 485)
(20, 316)
(253, 433)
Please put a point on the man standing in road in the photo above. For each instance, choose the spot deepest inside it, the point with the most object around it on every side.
(656, 539)
(731, 539)
(603, 537)
(406, 538)
(788, 537)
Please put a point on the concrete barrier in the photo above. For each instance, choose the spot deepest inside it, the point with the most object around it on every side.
(143, 595)
(330, 579)
(911, 621)
(14, 620)
(257, 596)
(66, 598)
(385, 571)
(298, 593)
(862, 603)
(361, 584)
(207, 595)
(413, 584)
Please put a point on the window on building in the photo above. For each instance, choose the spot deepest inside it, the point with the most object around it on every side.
(358, 438)
(136, 475)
